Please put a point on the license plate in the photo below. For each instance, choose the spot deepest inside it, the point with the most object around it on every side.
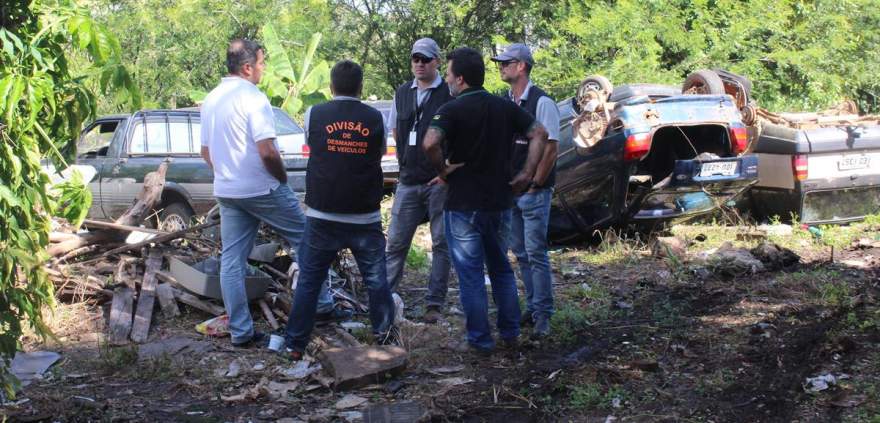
(853, 162)
(718, 169)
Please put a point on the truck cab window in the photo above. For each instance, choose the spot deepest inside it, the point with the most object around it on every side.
(155, 140)
(95, 140)
(180, 138)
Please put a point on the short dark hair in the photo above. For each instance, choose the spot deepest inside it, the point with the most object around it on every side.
(347, 78)
(528, 68)
(239, 52)
(468, 64)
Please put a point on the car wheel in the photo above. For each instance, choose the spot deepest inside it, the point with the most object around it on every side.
(175, 217)
(703, 82)
(598, 83)
(593, 87)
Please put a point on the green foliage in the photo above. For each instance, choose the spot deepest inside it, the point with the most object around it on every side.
(280, 82)
(590, 395)
(73, 199)
(177, 48)
(417, 258)
(568, 322)
(43, 105)
(799, 55)
(585, 396)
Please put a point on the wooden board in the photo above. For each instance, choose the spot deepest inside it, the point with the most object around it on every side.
(167, 301)
(193, 301)
(357, 367)
(140, 330)
(120, 315)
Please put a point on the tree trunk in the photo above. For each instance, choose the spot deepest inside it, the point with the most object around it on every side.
(147, 200)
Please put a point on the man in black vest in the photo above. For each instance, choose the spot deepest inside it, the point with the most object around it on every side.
(531, 210)
(420, 192)
(346, 139)
(477, 129)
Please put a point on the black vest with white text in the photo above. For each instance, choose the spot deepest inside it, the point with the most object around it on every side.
(346, 141)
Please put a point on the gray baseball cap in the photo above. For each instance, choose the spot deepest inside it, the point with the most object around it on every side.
(426, 47)
(516, 51)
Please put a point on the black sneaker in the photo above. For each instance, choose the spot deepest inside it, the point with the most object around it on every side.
(337, 315)
(259, 339)
(465, 347)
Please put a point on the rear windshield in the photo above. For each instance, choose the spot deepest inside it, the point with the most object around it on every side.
(284, 125)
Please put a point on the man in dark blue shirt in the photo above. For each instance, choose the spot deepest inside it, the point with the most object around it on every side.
(478, 130)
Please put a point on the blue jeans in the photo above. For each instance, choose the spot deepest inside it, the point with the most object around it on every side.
(239, 220)
(411, 204)
(528, 240)
(478, 238)
(321, 243)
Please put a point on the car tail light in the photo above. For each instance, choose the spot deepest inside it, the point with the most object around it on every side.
(739, 139)
(637, 146)
(305, 150)
(799, 167)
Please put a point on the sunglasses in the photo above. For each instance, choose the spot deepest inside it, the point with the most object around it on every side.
(421, 59)
(507, 63)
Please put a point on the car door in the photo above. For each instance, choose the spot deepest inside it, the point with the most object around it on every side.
(189, 175)
(588, 182)
(146, 146)
(92, 150)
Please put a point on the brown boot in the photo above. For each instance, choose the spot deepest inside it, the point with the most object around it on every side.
(432, 314)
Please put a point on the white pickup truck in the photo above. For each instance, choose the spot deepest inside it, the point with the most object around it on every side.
(818, 168)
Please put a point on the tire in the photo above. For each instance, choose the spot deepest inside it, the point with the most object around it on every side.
(598, 83)
(703, 82)
(175, 216)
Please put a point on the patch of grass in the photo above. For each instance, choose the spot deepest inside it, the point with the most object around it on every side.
(835, 294)
(158, 368)
(417, 258)
(588, 293)
(668, 315)
(585, 396)
(590, 395)
(614, 250)
(113, 359)
(568, 322)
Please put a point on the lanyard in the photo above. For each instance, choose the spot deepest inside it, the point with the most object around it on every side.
(420, 105)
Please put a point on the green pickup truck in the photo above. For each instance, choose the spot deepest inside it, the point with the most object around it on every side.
(122, 149)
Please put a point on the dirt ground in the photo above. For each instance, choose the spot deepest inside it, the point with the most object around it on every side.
(635, 338)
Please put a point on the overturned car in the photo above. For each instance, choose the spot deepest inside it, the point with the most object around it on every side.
(815, 167)
(645, 154)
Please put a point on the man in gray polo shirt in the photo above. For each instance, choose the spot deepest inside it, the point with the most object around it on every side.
(531, 210)
(420, 192)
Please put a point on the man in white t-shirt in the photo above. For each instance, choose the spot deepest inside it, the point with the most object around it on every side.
(250, 181)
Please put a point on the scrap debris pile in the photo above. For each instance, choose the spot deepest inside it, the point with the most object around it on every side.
(136, 268)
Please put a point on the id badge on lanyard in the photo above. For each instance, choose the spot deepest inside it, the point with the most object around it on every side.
(412, 133)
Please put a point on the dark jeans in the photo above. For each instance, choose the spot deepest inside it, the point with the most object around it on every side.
(528, 240)
(321, 242)
(477, 238)
(411, 203)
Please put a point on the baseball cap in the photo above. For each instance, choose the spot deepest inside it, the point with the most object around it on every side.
(516, 51)
(426, 47)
